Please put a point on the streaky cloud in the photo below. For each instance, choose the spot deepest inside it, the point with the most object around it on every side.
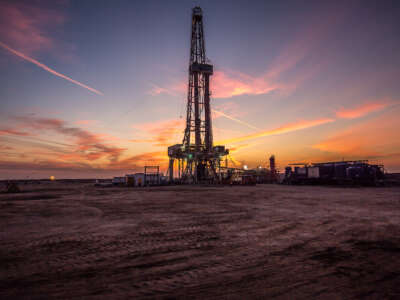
(362, 110)
(280, 130)
(234, 119)
(48, 69)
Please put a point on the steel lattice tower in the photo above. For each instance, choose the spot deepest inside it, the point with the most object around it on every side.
(198, 159)
(198, 106)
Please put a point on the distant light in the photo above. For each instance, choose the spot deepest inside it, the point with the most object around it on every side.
(259, 167)
(52, 178)
(245, 167)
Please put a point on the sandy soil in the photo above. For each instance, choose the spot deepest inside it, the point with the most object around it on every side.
(268, 241)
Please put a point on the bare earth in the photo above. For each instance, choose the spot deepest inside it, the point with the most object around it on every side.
(268, 241)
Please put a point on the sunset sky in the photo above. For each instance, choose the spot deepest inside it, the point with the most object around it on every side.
(93, 89)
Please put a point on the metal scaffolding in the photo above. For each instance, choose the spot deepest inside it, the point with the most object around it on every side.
(198, 160)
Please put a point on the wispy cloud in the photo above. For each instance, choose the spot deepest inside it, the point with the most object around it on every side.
(44, 67)
(174, 89)
(161, 133)
(24, 26)
(220, 113)
(229, 83)
(362, 110)
(138, 161)
(280, 130)
(86, 122)
(9, 131)
(88, 146)
(375, 137)
(226, 85)
(5, 147)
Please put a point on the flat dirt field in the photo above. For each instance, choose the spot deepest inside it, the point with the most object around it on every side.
(60, 240)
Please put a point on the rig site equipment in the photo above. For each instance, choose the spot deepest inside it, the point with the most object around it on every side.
(197, 159)
(358, 172)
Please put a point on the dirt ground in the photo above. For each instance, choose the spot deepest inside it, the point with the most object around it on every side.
(268, 241)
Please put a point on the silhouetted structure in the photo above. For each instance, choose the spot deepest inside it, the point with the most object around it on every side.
(152, 177)
(340, 172)
(272, 168)
(198, 160)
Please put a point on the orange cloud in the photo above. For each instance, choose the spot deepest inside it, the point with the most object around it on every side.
(43, 165)
(372, 139)
(361, 110)
(5, 147)
(346, 143)
(237, 148)
(280, 130)
(44, 67)
(162, 133)
(88, 145)
(86, 122)
(136, 162)
(13, 132)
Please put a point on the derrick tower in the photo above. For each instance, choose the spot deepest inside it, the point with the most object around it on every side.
(198, 160)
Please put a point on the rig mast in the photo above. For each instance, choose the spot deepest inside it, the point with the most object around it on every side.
(198, 160)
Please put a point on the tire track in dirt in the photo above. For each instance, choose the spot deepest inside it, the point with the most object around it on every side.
(160, 243)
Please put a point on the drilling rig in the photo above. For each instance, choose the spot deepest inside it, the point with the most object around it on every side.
(198, 160)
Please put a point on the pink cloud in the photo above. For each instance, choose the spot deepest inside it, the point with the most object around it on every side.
(86, 122)
(25, 26)
(88, 145)
(362, 110)
(224, 85)
(9, 131)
